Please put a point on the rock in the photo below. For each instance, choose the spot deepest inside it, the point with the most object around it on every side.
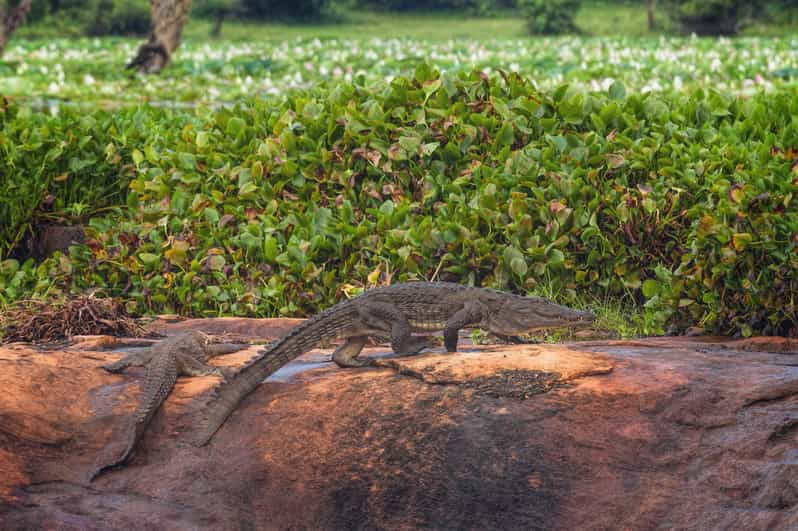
(695, 331)
(670, 433)
(51, 238)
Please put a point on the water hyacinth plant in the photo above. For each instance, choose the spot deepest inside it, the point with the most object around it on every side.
(678, 201)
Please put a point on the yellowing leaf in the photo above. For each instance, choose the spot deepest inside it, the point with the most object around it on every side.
(740, 240)
(65, 263)
(706, 226)
(736, 193)
(374, 276)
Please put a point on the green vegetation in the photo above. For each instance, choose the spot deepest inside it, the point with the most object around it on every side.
(550, 17)
(714, 17)
(681, 201)
(650, 177)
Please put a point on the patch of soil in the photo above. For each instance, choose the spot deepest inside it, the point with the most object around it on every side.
(518, 384)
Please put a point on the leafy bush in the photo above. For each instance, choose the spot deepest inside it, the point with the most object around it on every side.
(478, 6)
(713, 17)
(120, 17)
(213, 8)
(299, 10)
(550, 17)
(683, 202)
(59, 168)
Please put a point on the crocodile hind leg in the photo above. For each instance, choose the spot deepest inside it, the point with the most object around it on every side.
(347, 354)
(386, 316)
(219, 349)
(193, 367)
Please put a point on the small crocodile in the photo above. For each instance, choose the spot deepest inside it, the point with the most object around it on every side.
(183, 354)
(397, 311)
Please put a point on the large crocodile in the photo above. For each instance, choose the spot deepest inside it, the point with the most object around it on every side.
(184, 354)
(397, 311)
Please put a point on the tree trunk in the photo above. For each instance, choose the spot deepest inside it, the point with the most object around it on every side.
(216, 30)
(11, 21)
(650, 6)
(168, 19)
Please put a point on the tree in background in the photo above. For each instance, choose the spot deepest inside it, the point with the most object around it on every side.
(10, 19)
(713, 17)
(118, 17)
(216, 11)
(434, 5)
(651, 6)
(294, 10)
(550, 17)
(168, 18)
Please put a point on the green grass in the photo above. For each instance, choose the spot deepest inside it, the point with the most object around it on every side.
(427, 26)
(595, 18)
(602, 18)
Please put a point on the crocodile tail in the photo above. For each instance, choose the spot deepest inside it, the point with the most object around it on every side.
(159, 379)
(229, 393)
(109, 460)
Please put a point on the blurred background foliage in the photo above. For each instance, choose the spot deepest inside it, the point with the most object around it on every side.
(70, 18)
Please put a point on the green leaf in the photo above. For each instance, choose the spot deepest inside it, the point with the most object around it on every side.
(555, 257)
(410, 143)
(505, 137)
(430, 87)
(650, 288)
(270, 248)
(216, 262)
(235, 126)
(211, 216)
(202, 139)
(617, 91)
(519, 267)
(247, 188)
(149, 258)
(187, 160)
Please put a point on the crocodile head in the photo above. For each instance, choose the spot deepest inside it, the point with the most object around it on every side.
(517, 314)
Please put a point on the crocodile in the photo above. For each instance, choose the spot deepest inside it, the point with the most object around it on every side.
(182, 354)
(405, 312)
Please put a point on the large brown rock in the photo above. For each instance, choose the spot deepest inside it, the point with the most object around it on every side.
(660, 433)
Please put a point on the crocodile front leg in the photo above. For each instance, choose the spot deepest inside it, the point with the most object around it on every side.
(470, 314)
(347, 354)
(135, 359)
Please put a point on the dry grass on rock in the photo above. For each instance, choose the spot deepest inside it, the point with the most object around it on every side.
(43, 321)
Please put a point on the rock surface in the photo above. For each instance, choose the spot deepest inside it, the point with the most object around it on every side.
(669, 433)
